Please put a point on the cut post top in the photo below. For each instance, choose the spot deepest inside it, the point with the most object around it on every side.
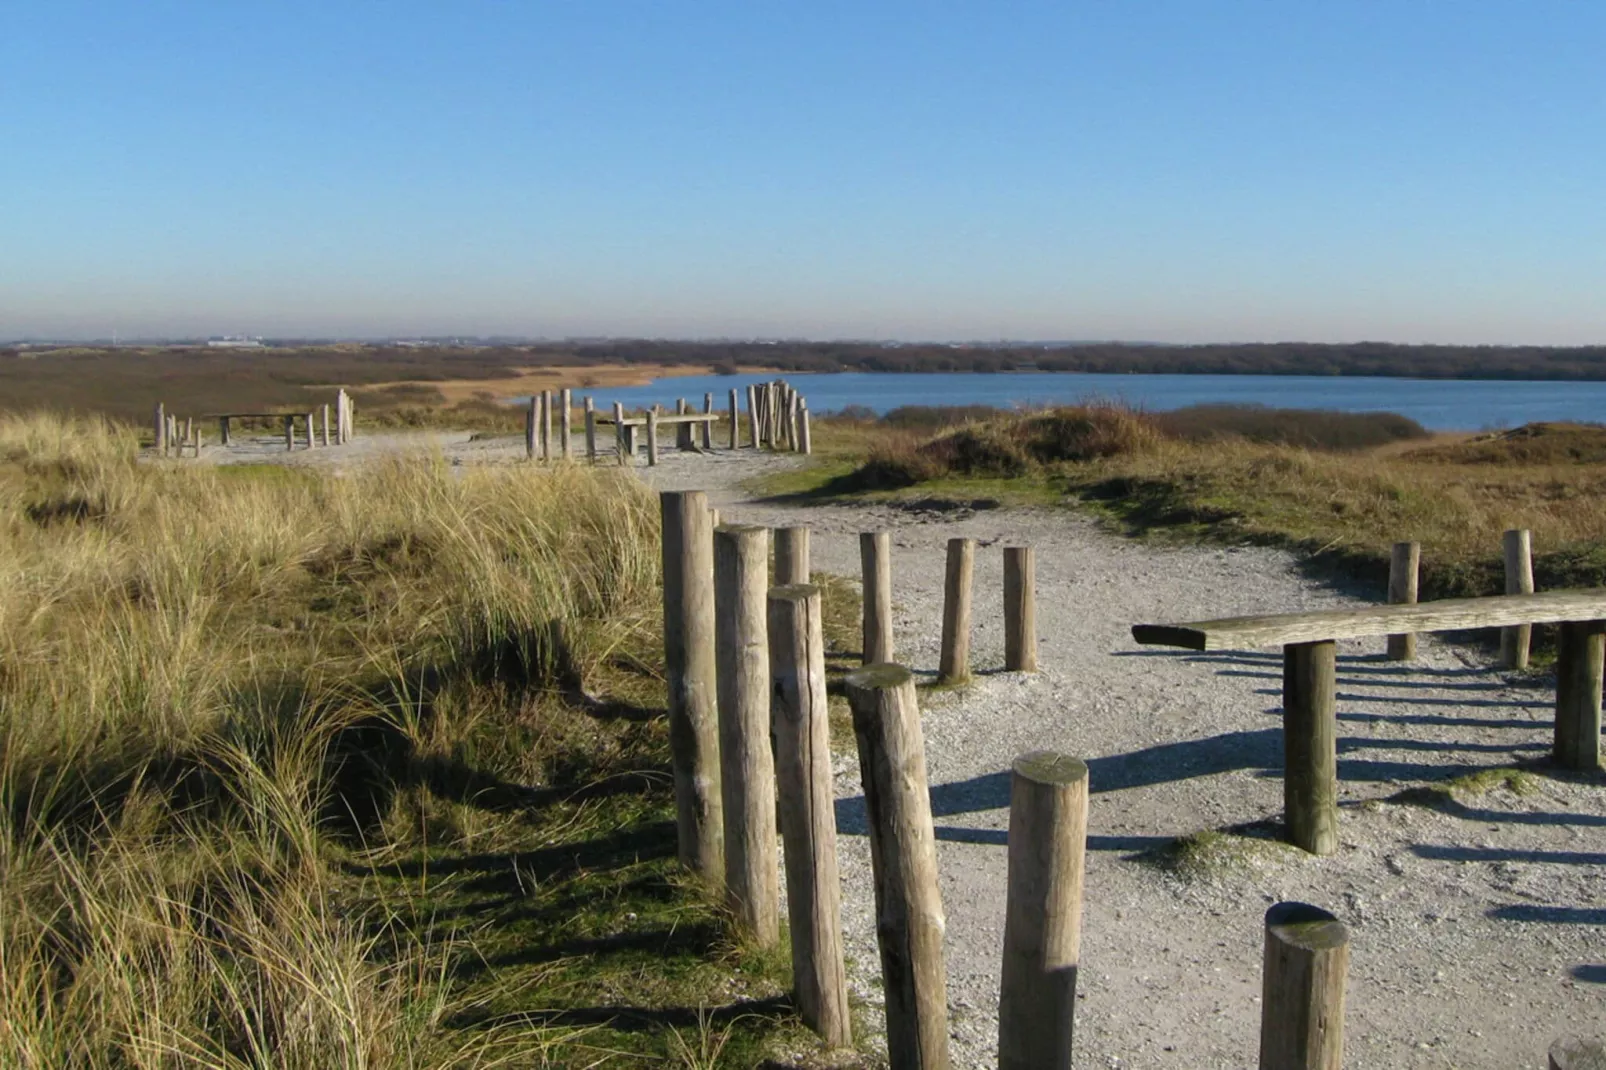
(1048, 767)
(1304, 926)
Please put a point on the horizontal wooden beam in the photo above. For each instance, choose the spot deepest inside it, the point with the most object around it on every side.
(1449, 615)
(688, 418)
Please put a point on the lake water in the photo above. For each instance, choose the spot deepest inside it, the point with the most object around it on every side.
(1437, 404)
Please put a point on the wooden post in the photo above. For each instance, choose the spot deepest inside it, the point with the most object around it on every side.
(531, 418)
(708, 425)
(591, 429)
(791, 556)
(619, 433)
(159, 443)
(689, 667)
(188, 438)
(805, 439)
(752, 414)
(903, 858)
(310, 443)
(565, 411)
(746, 764)
(735, 416)
(1310, 746)
(685, 438)
(172, 433)
(1043, 912)
(652, 436)
(1302, 989)
(1514, 642)
(875, 559)
(1576, 1053)
(340, 417)
(772, 415)
(223, 430)
(1020, 609)
(290, 433)
(1404, 567)
(954, 665)
(807, 811)
(1580, 648)
(324, 427)
(199, 436)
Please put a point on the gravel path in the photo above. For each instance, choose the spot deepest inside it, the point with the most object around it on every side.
(1478, 928)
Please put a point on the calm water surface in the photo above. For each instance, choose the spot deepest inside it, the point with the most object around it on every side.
(1438, 404)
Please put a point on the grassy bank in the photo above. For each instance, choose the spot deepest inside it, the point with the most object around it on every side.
(1341, 488)
(301, 771)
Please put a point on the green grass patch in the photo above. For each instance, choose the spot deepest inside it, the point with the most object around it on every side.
(1213, 854)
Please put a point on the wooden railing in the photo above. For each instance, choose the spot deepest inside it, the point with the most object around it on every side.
(1310, 727)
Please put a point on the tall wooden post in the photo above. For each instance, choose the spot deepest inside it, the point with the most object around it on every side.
(1405, 564)
(1043, 912)
(1020, 609)
(791, 555)
(223, 430)
(684, 440)
(290, 433)
(619, 437)
(591, 429)
(875, 559)
(1514, 642)
(807, 811)
(340, 417)
(752, 414)
(735, 416)
(805, 439)
(690, 668)
(532, 418)
(652, 436)
(954, 664)
(565, 413)
(1310, 746)
(903, 857)
(160, 441)
(708, 425)
(746, 764)
(544, 422)
(1302, 989)
(1580, 647)
(324, 427)
(310, 443)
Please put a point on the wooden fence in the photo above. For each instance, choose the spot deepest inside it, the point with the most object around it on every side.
(173, 436)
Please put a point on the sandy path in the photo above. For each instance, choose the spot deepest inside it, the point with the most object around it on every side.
(1478, 932)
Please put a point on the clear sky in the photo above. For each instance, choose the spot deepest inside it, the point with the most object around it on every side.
(1211, 170)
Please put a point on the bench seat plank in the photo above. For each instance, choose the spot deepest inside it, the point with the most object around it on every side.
(1449, 615)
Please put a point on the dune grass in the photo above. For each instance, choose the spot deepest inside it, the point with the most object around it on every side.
(307, 771)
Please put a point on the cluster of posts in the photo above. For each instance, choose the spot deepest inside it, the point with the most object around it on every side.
(745, 663)
(1405, 566)
(777, 418)
(173, 436)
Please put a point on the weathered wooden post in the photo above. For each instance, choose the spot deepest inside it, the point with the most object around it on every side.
(652, 436)
(684, 441)
(1043, 912)
(954, 665)
(805, 439)
(619, 433)
(708, 425)
(531, 434)
(746, 763)
(591, 429)
(223, 430)
(172, 433)
(545, 425)
(1020, 610)
(159, 443)
(735, 415)
(310, 443)
(689, 667)
(1514, 641)
(199, 436)
(752, 414)
(903, 857)
(1310, 746)
(1580, 649)
(565, 412)
(1576, 1053)
(290, 433)
(1302, 989)
(791, 556)
(772, 415)
(341, 417)
(875, 560)
(807, 811)
(324, 427)
(1404, 567)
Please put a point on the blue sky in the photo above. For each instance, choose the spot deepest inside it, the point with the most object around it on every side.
(1180, 171)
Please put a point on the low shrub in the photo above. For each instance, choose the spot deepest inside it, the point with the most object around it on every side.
(1316, 429)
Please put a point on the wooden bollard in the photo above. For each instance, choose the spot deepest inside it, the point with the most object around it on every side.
(875, 559)
(708, 425)
(223, 430)
(619, 437)
(752, 414)
(684, 440)
(290, 433)
(189, 435)
(805, 441)
(807, 809)
(1405, 564)
(565, 411)
(324, 428)
(1020, 609)
(546, 425)
(690, 668)
(1310, 746)
(1580, 649)
(197, 443)
(652, 436)
(1302, 989)
(954, 665)
(1043, 912)
(1576, 1053)
(746, 763)
(340, 417)
(791, 556)
(1514, 641)
(903, 858)
(591, 429)
(310, 443)
(159, 443)
(735, 418)
(532, 416)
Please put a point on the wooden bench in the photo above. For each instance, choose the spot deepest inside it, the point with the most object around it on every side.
(289, 418)
(1310, 725)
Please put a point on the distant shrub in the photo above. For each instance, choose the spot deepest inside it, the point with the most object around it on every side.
(1318, 429)
(1542, 443)
(1088, 432)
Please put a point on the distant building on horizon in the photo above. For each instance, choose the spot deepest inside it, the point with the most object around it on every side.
(235, 341)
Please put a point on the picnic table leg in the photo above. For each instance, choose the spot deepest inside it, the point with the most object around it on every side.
(1310, 746)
